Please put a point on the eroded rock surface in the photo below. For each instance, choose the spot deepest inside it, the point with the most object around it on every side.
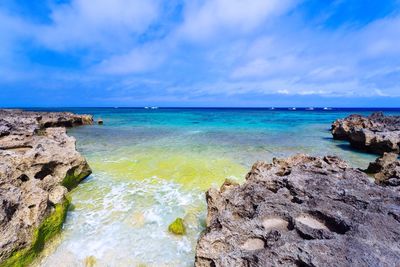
(38, 165)
(302, 211)
(386, 169)
(376, 133)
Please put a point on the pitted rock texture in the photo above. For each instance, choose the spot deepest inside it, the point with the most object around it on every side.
(302, 211)
(376, 133)
(386, 169)
(36, 156)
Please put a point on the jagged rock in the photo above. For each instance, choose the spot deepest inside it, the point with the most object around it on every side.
(36, 157)
(386, 170)
(302, 211)
(376, 133)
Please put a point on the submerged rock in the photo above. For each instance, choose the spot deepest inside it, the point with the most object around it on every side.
(90, 261)
(301, 211)
(386, 170)
(177, 227)
(376, 133)
(38, 165)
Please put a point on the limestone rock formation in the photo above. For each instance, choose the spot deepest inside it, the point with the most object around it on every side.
(38, 166)
(386, 169)
(301, 211)
(376, 133)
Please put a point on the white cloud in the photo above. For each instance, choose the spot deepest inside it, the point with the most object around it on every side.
(341, 62)
(138, 60)
(206, 19)
(267, 67)
(382, 37)
(100, 24)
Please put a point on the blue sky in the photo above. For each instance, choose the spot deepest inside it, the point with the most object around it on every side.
(200, 53)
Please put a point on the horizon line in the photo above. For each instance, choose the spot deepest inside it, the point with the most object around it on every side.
(199, 107)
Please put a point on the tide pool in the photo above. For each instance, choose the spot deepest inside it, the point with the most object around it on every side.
(152, 166)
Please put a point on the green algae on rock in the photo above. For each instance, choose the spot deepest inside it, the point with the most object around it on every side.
(51, 226)
(75, 175)
(177, 227)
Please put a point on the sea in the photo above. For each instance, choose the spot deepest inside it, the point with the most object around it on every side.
(153, 165)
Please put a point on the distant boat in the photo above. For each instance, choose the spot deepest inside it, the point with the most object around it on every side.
(292, 108)
(272, 108)
(146, 107)
(327, 108)
(154, 107)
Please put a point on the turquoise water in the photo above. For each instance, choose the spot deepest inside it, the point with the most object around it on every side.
(151, 166)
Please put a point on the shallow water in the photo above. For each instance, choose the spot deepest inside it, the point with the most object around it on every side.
(151, 166)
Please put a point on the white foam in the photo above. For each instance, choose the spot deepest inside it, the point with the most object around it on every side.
(102, 224)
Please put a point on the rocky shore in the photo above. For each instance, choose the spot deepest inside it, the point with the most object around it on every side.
(302, 211)
(376, 133)
(39, 164)
(386, 170)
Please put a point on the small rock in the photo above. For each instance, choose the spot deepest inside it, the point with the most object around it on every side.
(177, 227)
(57, 194)
(90, 261)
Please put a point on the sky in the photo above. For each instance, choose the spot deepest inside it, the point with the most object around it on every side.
(237, 53)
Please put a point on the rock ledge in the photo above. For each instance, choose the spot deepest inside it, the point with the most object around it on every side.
(376, 133)
(39, 165)
(301, 211)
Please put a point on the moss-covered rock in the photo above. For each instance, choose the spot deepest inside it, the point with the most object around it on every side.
(75, 175)
(49, 228)
(177, 227)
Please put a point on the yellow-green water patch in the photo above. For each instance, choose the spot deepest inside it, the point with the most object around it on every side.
(189, 169)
